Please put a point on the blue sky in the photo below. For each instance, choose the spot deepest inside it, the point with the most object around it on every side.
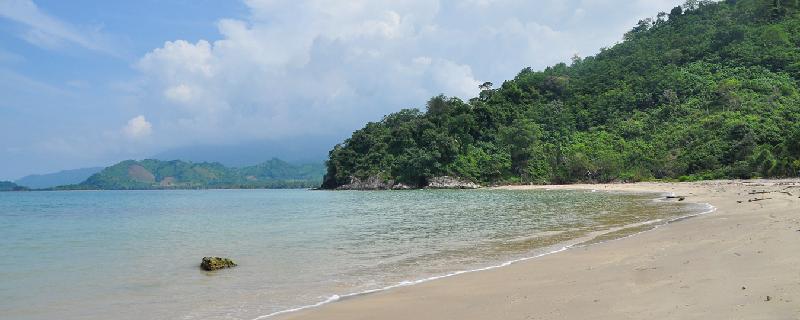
(87, 83)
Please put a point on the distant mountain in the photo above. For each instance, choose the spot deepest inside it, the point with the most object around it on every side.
(294, 150)
(10, 186)
(177, 174)
(66, 177)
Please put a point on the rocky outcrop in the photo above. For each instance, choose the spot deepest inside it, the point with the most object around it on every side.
(401, 186)
(377, 183)
(216, 263)
(447, 182)
(371, 183)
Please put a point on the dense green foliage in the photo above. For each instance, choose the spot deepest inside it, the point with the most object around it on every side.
(709, 90)
(156, 174)
(10, 186)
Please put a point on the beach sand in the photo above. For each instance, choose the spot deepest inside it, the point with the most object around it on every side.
(740, 262)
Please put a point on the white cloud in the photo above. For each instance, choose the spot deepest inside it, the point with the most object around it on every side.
(292, 67)
(49, 32)
(137, 127)
(321, 66)
(454, 79)
(180, 93)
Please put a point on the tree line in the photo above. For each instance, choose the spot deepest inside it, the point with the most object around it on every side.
(706, 91)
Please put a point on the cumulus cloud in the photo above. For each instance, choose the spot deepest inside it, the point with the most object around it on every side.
(291, 67)
(137, 127)
(321, 66)
(180, 93)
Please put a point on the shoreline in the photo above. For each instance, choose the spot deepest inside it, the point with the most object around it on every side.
(439, 291)
(579, 242)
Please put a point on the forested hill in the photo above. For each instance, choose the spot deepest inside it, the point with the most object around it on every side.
(708, 90)
(176, 174)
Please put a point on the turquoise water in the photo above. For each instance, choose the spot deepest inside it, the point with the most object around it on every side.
(135, 254)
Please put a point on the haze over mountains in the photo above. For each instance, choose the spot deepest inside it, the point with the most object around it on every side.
(64, 177)
(302, 150)
(295, 150)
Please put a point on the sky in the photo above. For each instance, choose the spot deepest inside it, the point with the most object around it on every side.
(89, 83)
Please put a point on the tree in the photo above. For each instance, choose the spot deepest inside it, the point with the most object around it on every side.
(712, 92)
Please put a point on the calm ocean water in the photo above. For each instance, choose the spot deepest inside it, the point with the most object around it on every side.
(135, 254)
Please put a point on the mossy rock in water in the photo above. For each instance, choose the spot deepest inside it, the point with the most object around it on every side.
(216, 263)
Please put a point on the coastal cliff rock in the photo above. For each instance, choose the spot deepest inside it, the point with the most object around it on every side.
(401, 186)
(378, 183)
(216, 263)
(447, 182)
(371, 183)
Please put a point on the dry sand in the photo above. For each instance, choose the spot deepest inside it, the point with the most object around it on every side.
(740, 262)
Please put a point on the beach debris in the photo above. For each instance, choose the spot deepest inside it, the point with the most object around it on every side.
(680, 198)
(768, 298)
(216, 263)
(744, 288)
(758, 199)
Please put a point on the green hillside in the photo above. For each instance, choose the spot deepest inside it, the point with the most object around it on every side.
(156, 174)
(709, 90)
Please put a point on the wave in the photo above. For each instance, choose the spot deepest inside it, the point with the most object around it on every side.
(709, 209)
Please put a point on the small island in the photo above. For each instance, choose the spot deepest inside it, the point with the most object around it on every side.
(154, 174)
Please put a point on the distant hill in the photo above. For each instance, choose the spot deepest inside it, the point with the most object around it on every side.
(177, 174)
(293, 150)
(66, 177)
(10, 186)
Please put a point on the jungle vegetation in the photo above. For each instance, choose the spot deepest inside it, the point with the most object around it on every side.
(708, 90)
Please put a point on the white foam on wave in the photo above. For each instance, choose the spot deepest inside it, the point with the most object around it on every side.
(330, 299)
(709, 209)
(335, 298)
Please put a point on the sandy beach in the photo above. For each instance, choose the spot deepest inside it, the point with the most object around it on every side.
(741, 261)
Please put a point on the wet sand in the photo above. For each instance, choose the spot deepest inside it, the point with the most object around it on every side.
(740, 262)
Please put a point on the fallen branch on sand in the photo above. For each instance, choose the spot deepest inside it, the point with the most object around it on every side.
(758, 199)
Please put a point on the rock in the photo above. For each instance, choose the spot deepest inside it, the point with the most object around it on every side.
(371, 183)
(446, 182)
(401, 186)
(216, 263)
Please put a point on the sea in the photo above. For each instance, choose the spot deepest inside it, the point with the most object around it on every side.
(136, 254)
